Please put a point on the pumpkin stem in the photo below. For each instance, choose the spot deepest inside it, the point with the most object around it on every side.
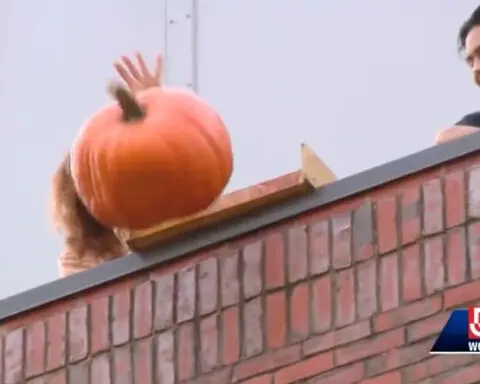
(132, 111)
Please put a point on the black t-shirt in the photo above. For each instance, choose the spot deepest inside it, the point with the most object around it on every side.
(472, 119)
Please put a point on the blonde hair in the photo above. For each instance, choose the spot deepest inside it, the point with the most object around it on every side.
(83, 234)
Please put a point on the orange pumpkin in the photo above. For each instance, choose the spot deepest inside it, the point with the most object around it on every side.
(160, 155)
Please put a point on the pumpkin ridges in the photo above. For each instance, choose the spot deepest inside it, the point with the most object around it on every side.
(122, 196)
(139, 176)
(102, 197)
(96, 202)
(197, 201)
(227, 159)
(218, 141)
(105, 193)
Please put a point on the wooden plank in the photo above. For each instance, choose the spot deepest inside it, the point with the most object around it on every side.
(313, 174)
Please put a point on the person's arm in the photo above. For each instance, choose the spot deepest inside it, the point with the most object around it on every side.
(467, 125)
(69, 264)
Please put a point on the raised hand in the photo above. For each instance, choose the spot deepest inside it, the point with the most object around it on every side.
(138, 77)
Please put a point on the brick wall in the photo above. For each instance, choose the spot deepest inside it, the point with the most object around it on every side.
(352, 293)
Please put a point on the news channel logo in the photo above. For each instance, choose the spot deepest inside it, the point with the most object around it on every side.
(461, 334)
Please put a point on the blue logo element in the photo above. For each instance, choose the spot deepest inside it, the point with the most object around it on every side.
(454, 338)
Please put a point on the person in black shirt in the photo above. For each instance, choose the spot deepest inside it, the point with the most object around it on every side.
(469, 46)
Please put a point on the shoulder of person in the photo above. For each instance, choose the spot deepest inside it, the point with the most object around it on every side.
(465, 126)
(470, 120)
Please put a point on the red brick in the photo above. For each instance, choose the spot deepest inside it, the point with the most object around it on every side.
(14, 356)
(252, 269)
(186, 294)
(349, 375)
(297, 254)
(230, 287)
(435, 365)
(389, 282)
(432, 207)
(455, 198)
(305, 368)
(78, 334)
(100, 370)
(410, 214)
(362, 228)
(163, 307)
(59, 377)
(427, 327)
(456, 261)
(406, 314)
(319, 248)
(322, 304)
(366, 288)
(397, 357)
(208, 286)
(56, 331)
(122, 365)
(143, 311)
(121, 308)
(474, 249)
(36, 348)
(79, 373)
(274, 261)
(345, 298)
(388, 378)
(276, 320)
(186, 352)
(265, 363)
(208, 343)
(143, 362)
(99, 313)
(337, 337)
(218, 377)
(386, 209)
(252, 328)
(164, 361)
(37, 380)
(264, 379)
(299, 312)
(341, 240)
(462, 294)
(434, 265)
(411, 273)
(474, 193)
(466, 375)
(369, 347)
(231, 335)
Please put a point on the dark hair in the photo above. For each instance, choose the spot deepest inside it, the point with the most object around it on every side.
(472, 22)
(82, 233)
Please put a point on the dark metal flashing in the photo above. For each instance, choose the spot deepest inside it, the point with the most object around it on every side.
(338, 190)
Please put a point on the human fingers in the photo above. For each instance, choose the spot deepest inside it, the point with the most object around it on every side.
(131, 68)
(125, 75)
(143, 67)
(158, 72)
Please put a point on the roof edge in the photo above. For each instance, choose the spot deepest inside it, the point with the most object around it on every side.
(338, 190)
